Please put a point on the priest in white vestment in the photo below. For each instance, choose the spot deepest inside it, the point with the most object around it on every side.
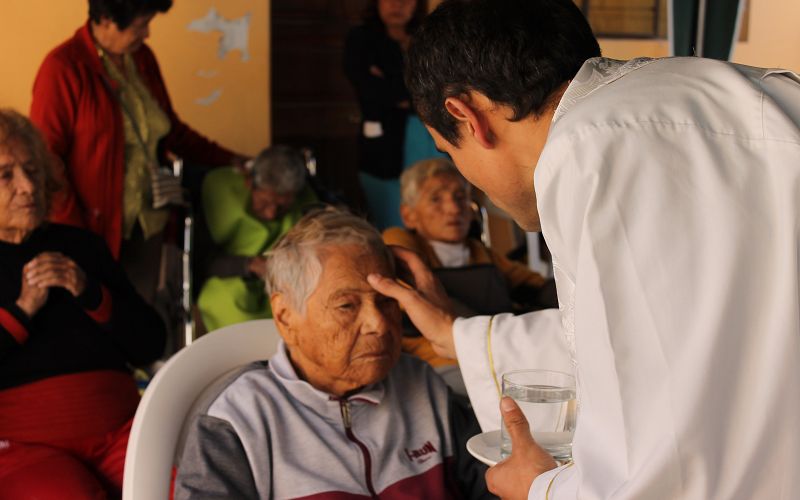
(669, 194)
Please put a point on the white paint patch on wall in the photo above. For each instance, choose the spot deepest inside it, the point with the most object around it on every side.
(207, 73)
(210, 98)
(235, 32)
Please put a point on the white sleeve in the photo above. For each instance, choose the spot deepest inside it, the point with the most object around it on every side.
(531, 340)
(555, 483)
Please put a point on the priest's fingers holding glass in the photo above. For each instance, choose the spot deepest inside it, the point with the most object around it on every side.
(425, 302)
(512, 478)
(50, 269)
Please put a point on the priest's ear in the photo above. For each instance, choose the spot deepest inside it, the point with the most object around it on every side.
(472, 120)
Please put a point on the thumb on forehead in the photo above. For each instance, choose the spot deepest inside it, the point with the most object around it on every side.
(389, 287)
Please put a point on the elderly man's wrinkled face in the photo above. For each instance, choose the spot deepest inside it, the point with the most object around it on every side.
(22, 197)
(349, 336)
(268, 205)
(442, 211)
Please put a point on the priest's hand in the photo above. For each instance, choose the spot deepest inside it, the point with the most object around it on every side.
(425, 302)
(512, 478)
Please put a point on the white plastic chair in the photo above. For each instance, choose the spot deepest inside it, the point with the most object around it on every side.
(170, 395)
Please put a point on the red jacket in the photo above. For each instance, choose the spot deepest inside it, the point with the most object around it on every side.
(81, 121)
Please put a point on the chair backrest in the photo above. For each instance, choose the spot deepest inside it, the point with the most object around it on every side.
(170, 395)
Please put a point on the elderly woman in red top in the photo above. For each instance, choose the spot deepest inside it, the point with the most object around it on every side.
(100, 101)
(70, 325)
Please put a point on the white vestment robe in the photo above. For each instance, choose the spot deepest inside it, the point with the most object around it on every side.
(669, 195)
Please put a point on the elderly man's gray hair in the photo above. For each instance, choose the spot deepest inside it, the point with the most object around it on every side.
(412, 179)
(294, 266)
(280, 168)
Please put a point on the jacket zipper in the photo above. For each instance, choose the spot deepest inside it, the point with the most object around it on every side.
(344, 406)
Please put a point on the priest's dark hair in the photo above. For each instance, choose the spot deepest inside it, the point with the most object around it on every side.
(515, 52)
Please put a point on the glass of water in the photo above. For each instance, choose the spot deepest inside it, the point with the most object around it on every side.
(547, 398)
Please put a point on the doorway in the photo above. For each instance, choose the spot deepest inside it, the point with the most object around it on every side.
(313, 104)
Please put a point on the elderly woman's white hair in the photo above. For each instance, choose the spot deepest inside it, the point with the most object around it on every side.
(412, 179)
(294, 266)
(280, 168)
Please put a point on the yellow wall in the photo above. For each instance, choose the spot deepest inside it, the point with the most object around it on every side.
(630, 48)
(239, 119)
(28, 30)
(773, 38)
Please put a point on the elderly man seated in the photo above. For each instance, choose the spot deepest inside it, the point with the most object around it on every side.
(246, 215)
(338, 412)
(435, 209)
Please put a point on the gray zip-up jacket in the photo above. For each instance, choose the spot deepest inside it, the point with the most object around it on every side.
(268, 434)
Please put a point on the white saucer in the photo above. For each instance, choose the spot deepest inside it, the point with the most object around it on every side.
(485, 447)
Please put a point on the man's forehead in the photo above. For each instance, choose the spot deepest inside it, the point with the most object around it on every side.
(350, 262)
(349, 284)
(443, 180)
(351, 290)
(268, 192)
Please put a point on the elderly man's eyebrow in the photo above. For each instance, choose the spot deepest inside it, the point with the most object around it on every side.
(348, 291)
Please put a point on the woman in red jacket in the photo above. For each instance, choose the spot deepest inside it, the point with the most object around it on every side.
(100, 101)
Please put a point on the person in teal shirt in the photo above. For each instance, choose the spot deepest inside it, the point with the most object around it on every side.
(246, 214)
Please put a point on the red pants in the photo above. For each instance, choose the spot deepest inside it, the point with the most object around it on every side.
(78, 469)
(66, 437)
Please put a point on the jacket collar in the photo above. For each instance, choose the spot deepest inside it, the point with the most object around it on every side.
(594, 74)
(84, 40)
(83, 37)
(320, 401)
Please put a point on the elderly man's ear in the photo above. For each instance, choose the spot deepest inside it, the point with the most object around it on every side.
(472, 114)
(283, 314)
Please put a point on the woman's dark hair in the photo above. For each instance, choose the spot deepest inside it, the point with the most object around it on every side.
(373, 18)
(515, 52)
(123, 12)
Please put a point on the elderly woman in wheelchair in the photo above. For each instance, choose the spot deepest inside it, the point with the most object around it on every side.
(246, 214)
(338, 410)
(71, 325)
(435, 208)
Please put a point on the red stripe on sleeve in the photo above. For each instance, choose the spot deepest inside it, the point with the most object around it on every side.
(103, 312)
(14, 327)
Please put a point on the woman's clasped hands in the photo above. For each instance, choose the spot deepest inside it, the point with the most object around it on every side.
(46, 270)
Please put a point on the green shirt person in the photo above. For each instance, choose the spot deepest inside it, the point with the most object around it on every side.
(246, 215)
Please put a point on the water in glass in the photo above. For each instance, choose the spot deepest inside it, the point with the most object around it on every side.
(551, 412)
